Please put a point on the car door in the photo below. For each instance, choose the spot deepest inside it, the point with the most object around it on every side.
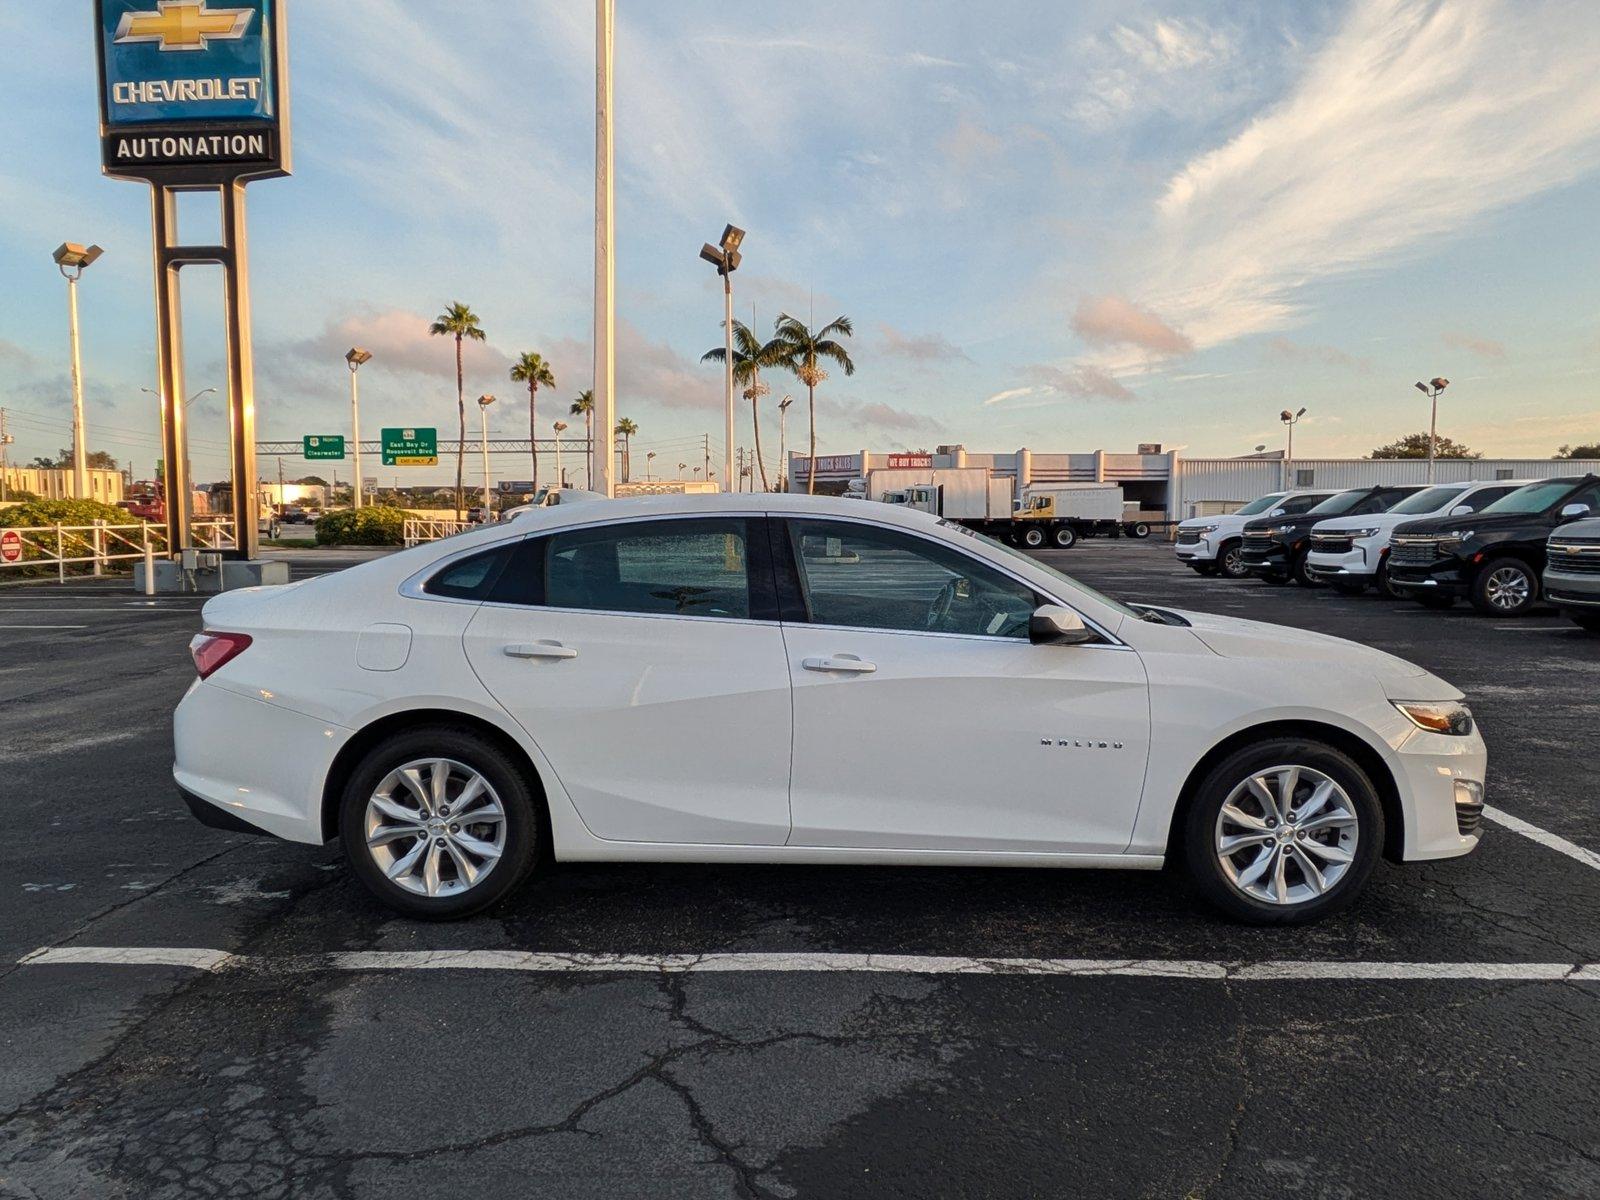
(924, 718)
(645, 660)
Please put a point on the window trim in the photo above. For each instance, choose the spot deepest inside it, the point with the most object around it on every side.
(791, 589)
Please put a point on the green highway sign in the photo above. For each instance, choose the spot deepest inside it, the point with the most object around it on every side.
(322, 446)
(411, 447)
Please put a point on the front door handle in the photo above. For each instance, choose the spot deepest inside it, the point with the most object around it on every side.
(848, 663)
(540, 650)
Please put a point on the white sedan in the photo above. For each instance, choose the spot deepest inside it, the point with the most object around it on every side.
(787, 679)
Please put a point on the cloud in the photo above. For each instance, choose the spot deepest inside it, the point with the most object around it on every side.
(969, 146)
(399, 342)
(1284, 350)
(1113, 321)
(1083, 381)
(1168, 65)
(875, 415)
(921, 348)
(1009, 394)
(1482, 347)
(14, 358)
(1171, 45)
(1412, 122)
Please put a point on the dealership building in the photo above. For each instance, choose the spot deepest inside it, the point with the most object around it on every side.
(1168, 483)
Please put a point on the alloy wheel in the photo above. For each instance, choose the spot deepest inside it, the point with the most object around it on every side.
(1508, 588)
(435, 827)
(1286, 835)
(1233, 563)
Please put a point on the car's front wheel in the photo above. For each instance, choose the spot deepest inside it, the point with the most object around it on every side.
(1505, 587)
(1283, 832)
(1232, 560)
(439, 823)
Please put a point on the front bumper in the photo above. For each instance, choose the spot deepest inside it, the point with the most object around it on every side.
(1273, 560)
(1359, 564)
(1572, 591)
(1444, 778)
(1441, 579)
(253, 762)
(1203, 551)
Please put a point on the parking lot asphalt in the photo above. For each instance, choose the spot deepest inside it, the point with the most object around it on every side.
(1130, 1043)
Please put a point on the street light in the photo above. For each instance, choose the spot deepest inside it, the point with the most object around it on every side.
(783, 431)
(72, 260)
(1431, 389)
(1291, 419)
(483, 414)
(161, 408)
(355, 357)
(560, 427)
(648, 459)
(725, 257)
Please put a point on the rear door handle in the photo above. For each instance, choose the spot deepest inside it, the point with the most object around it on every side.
(848, 663)
(540, 650)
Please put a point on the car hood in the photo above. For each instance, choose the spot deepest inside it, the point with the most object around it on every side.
(1477, 522)
(1233, 637)
(1366, 521)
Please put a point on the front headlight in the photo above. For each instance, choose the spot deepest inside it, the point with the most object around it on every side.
(1451, 717)
(1281, 530)
(1202, 529)
(1455, 539)
(1362, 533)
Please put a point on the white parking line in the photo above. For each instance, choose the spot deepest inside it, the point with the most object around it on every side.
(1544, 837)
(43, 627)
(790, 962)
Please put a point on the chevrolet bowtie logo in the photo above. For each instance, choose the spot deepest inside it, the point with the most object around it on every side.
(184, 25)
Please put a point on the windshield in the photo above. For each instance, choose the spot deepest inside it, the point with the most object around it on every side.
(1075, 585)
(1259, 506)
(1300, 504)
(1427, 500)
(1536, 497)
(1342, 503)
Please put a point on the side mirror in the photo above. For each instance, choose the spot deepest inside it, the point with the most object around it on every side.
(1572, 512)
(1461, 510)
(1053, 625)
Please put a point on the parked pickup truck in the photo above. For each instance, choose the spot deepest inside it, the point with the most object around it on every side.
(1276, 548)
(1494, 557)
(1572, 572)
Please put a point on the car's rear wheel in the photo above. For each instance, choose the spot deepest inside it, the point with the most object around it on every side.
(439, 823)
(1139, 529)
(1033, 537)
(1066, 537)
(1505, 587)
(1283, 832)
(1232, 561)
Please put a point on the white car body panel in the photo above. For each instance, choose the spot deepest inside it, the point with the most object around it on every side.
(936, 758)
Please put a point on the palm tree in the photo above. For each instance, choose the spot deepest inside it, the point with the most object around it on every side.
(459, 321)
(799, 349)
(534, 371)
(625, 430)
(749, 356)
(583, 407)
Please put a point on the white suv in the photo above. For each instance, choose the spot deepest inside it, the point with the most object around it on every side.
(1352, 553)
(1211, 544)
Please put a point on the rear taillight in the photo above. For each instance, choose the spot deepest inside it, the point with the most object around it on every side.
(211, 651)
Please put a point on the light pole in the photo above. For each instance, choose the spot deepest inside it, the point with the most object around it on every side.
(355, 357)
(211, 391)
(72, 260)
(1431, 389)
(1291, 419)
(483, 414)
(725, 257)
(560, 427)
(783, 433)
(602, 477)
(648, 459)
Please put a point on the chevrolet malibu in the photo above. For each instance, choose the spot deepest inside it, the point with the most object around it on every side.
(801, 680)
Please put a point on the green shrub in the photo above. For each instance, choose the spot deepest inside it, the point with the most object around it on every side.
(65, 512)
(42, 514)
(377, 525)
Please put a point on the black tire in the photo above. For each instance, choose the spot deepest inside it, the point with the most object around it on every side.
(1199, 831)
(511, 786)
(1589, 621)
(1065, 537)
(1139, 529)
(1298, 568)
(1382, 582)
(1499, 582)
(1432, 600)
(1033, 537)
(1230, 560)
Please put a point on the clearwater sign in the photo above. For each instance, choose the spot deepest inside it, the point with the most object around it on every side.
(192, 90)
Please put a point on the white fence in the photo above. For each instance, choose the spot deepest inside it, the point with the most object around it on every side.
(100, 545)
(431, 529)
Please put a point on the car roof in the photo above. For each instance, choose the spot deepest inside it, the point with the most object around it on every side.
(703, 503)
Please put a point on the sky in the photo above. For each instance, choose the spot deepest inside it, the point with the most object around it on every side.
(1062, 226)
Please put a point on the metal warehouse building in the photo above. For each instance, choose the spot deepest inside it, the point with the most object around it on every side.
(1163, 480)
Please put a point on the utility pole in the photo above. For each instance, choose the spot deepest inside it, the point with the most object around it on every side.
(5, 464)
(281, 504)
(706, 446)
(605, 259)
(783, 434)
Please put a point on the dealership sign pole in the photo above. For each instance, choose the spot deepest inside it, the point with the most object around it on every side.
(194, 97)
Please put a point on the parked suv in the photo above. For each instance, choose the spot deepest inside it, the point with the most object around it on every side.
(1211, 544)
(1352, 553)
(1493, 557)
(1572, 572)
(1276, 548)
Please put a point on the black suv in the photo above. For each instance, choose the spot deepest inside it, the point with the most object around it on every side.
(1274, 548)
(1492, 557)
